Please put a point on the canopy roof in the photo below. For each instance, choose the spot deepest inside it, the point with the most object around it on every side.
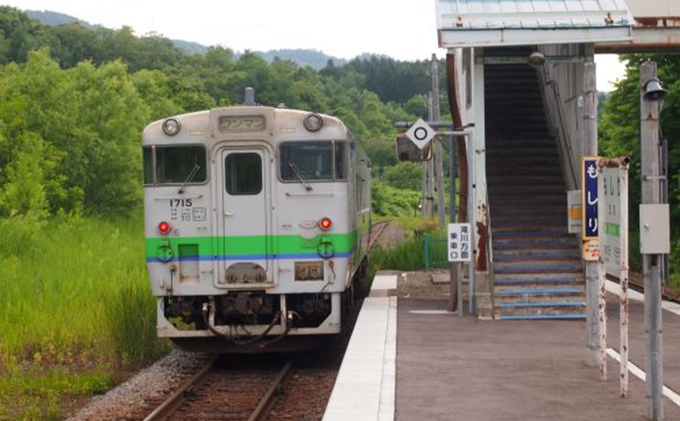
(483, 23)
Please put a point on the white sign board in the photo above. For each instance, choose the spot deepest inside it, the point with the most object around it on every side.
(574, 211)
(420, 133)
(459, 240)
(615, 197)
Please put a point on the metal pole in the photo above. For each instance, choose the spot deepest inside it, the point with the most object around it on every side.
(429, 199)
(649, 129)
(453, 292)
(423, 203)
(471, 218)
(436, 114)
(623, 310)
(456, 217)
(430, 164)
(601, 276)
(591, 268)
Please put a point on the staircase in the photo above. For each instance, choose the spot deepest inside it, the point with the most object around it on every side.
(537, 265)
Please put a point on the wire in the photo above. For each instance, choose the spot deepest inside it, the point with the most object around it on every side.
(236, 341)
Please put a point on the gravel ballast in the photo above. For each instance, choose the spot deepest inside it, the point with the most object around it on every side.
(159, 379)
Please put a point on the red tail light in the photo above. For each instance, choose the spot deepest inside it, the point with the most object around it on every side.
(325, 224)
(164, 227)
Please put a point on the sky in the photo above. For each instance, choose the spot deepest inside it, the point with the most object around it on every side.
(402, 29)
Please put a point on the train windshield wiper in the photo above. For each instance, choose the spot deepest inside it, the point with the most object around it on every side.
(190, 177)
(298, 173)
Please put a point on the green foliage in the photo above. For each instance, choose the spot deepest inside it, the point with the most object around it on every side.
(71, 113)
(76, 292)
(404, 175)
(620, 135)
(407, 255)
(37, 393)
(390, 201)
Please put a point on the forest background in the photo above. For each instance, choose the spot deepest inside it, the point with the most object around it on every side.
(75, 307)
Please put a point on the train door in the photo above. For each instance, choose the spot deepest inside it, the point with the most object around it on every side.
(246, 217)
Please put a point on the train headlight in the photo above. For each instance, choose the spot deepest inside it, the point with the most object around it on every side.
(325, 224)
(164, 228)
(313, 122)
(171, 126)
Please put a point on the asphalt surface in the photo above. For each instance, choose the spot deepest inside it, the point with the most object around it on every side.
(466, 369)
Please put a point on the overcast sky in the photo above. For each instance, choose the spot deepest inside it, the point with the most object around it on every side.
(403, 29)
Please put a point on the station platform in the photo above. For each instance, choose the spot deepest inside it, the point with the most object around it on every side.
(452, 368)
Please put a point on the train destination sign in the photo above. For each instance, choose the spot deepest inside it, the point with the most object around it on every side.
(421, 133)
(459, 240)
(248, 123)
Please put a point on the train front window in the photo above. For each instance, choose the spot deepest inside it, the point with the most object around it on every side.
(181, 164)
(314, 161)
(243, 174)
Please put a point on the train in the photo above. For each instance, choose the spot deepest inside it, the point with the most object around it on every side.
(257, 223)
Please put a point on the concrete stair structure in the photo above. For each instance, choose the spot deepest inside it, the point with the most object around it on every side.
(537, 265)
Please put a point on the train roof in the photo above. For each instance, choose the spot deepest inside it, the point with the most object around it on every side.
(271, 124)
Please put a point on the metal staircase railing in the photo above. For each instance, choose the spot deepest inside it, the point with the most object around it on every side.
(560, 124)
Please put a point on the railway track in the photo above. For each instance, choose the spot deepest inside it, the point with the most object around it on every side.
(230, 393)
(636, 282)
(380, 226)
(256, 388)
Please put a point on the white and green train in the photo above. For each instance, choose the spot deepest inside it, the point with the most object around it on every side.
(257, 220)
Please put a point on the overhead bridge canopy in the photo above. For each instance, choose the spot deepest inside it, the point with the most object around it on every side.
(490, 23)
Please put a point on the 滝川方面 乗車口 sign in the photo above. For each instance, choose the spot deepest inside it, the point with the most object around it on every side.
(459, 239)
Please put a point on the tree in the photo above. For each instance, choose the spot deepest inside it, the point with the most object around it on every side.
(620, 135)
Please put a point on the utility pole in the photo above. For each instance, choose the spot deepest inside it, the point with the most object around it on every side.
(591, 268)
(651, 263)
(424, 165)
(423, 198)
(453, 267)
(436, 114)
(430, 163)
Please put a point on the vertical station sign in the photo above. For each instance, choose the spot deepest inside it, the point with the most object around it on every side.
(615, 198)
(589, 222)
(459, 240)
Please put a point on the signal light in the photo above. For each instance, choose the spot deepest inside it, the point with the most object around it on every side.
(164, 227)
(325, 224)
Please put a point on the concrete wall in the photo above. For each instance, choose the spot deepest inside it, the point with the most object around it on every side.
(470, 88)
(562, 85)
(654, 8)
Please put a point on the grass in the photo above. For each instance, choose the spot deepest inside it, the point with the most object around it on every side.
(75, 308)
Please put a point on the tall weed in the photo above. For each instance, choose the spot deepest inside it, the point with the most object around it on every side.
(407, 255)
(76, 291)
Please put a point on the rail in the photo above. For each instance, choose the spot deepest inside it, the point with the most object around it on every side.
(383, 224)
(265, 405)
(175, 400)
(166, 409)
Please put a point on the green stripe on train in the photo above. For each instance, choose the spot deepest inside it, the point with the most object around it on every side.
(253, 244)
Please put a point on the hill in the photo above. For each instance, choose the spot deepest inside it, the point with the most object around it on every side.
(302, 57)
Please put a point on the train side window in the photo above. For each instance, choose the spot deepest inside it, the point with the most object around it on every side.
(148, 164)
(243, 174)
(180, 164)
(340, 160)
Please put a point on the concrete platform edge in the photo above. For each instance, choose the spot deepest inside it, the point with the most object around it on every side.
(365, 388)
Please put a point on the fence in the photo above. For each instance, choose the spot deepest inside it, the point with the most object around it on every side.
(434, 251)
